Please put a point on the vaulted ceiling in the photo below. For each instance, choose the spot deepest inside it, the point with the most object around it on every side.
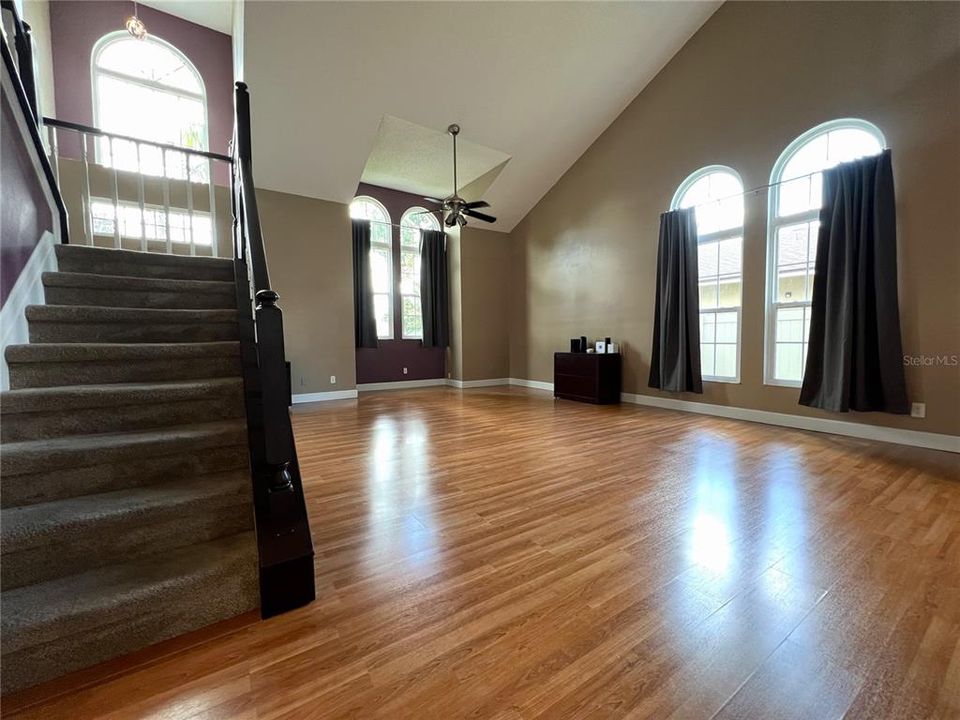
(348, 90)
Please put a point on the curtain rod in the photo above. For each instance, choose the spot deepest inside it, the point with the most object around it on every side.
(757, 189)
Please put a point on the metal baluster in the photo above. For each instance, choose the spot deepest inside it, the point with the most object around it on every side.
(87, 208)
(116, 198)
(54, 153)
(143, 214)
(166, 205)
(214, 247)
(193, 247)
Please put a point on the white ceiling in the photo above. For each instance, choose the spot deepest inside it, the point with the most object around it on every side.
(415, 159)
(535, 81)
(215, 14)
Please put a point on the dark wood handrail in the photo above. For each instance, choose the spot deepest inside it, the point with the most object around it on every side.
(278, 431)
(89, 130)
(23, 100)
(23, 42)
(283, 530)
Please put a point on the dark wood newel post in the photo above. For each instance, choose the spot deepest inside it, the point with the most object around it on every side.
(276, 414)
(283, 527)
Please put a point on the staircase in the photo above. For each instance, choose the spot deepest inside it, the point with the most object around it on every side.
(126, 511)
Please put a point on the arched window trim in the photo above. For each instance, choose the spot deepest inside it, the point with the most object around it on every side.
(434, 224)
(95, 71)
(388, 246)
(717, 236)
(412, 250)
(775, 221)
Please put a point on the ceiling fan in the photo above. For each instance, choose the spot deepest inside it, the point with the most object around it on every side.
(454, 207)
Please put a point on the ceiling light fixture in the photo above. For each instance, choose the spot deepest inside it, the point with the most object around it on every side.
(135, 25)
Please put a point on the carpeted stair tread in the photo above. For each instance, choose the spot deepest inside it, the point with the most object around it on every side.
(93, 324)
(80, 450)
(127, 291)
(33, 526)
(112, 352)
(133, 263)
(72, 397)
(67, 606)
(94, 314)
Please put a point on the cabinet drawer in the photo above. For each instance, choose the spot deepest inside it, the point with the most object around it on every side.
(575, 385)
(575, 364)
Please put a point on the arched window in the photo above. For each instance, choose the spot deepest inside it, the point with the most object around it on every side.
(381, 259)
(717, 194)
(148, 89)
(413, 221)
(795, 196)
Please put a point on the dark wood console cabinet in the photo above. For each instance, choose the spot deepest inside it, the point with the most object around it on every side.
(587, 377)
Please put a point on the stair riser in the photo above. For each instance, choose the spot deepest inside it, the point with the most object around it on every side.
(97, 266)
(57, 295)
(55, 374)
(46, 486)
(172, 612)
(134, 332)
(88, 421)
(110, 542)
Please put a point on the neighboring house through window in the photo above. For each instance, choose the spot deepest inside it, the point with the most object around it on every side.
(413, 221)
(381, 260)
(795, 197)
(148, 89)
(716, 193)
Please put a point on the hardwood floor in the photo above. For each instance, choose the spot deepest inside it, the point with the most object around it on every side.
(494, 554)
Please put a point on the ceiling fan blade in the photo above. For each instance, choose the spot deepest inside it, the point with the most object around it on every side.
(427, 212)
(480, 216)
(477, 204)
(434, 201)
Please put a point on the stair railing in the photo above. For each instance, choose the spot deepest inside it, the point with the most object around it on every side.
(116, 160)
(18, 61)
(283, 531)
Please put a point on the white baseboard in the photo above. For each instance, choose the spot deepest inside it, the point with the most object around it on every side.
(324, 396)
(467, 384)
(27, 290)
(934, 441)
(535, 384)
(401, 384)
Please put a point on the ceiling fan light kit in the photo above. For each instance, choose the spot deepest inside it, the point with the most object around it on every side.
(455, 208)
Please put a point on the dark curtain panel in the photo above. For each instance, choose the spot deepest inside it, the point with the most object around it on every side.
(364, 318)
(854, 359)
(675, 358)
(434, 292)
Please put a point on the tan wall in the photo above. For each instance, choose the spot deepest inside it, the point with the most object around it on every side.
(755, 77)
(455, 351)
(310, 262)
(485, 280)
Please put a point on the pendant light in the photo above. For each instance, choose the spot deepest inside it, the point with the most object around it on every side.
(135, 25)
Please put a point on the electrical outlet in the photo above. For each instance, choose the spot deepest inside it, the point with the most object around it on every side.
(449, 375)
(918, 410)
(333, 379)
(301, 381)
(404, 371)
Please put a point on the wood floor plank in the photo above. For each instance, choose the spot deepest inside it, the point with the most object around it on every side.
(496, 554)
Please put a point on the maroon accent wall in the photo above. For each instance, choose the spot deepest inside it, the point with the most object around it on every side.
(24, 212)
(75, 27)
(386, 363)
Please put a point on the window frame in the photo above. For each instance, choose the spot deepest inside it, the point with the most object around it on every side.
(390, 270)
(718, 236)
(406, 249)
(96, 71)
(775, 222)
